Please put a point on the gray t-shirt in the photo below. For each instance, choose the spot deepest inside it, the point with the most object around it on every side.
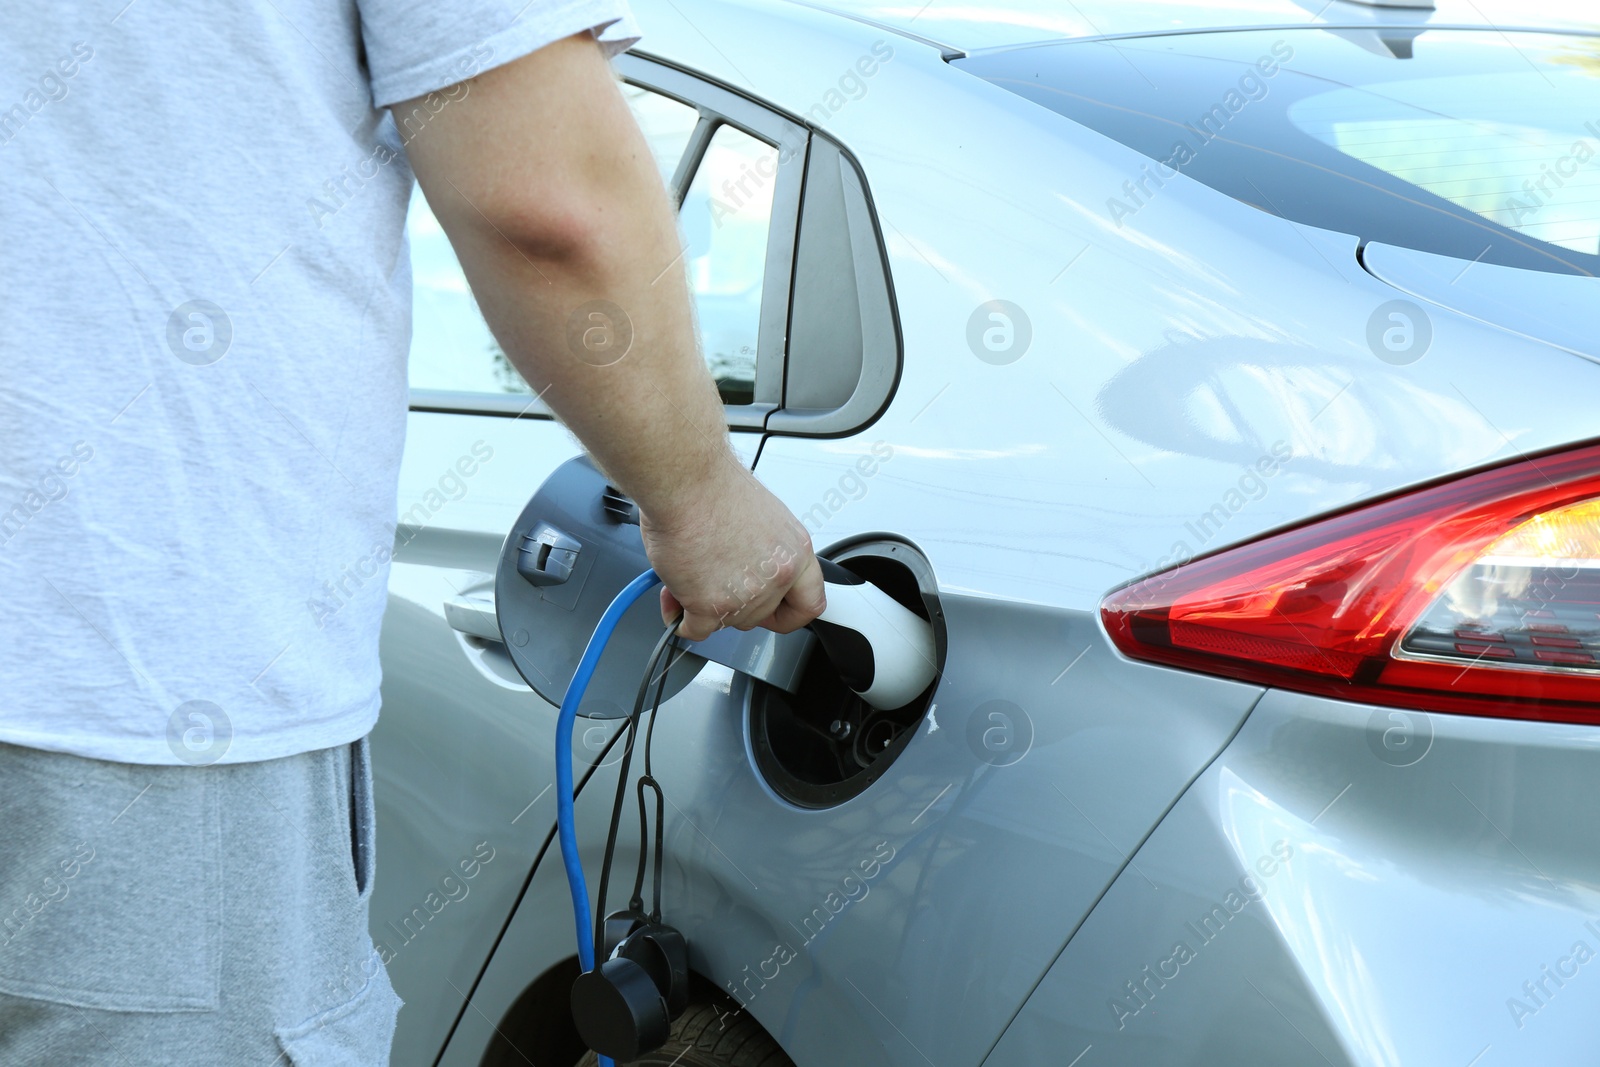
(202, 356)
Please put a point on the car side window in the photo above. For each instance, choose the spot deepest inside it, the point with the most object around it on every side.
(452, 350)
(726, 218)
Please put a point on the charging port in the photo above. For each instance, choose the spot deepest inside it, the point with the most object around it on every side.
(822, 744)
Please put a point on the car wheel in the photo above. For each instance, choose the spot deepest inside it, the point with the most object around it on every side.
(716, 1034)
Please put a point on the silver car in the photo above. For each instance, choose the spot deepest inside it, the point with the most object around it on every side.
(1220, 381)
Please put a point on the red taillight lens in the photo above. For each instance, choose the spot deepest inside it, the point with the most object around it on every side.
(1478, 595)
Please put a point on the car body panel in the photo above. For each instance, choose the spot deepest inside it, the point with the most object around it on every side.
(1174, 359)
(852, 927)
(1436, 864)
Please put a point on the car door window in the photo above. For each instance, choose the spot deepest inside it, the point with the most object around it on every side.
(726, 219)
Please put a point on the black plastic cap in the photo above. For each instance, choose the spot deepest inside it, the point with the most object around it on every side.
(619, 1011)
(664, 955)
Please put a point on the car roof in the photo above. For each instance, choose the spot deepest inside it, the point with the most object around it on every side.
(968, 26)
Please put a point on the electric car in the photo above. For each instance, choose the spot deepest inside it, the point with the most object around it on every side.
(1218, 381)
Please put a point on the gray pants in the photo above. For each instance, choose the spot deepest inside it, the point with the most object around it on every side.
(189, 915)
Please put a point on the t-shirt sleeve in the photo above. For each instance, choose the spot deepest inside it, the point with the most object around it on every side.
(415, 47)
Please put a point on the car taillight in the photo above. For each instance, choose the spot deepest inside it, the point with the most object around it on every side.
(1478, 595)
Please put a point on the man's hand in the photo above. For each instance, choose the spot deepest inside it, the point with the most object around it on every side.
(549, 194)
(734, 557)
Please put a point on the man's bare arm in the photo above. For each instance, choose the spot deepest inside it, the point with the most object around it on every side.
(548, 192)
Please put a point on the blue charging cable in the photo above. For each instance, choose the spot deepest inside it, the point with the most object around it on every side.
(566, 818)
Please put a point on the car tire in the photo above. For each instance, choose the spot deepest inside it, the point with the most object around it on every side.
(712, 1034)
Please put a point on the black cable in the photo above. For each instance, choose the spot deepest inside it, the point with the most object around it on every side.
(636, 900)
(616, 807)
(649, 777)
(622, 785)
(650, 731)
(638, 881)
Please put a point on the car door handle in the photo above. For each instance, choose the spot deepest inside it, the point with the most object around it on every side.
(474, 616)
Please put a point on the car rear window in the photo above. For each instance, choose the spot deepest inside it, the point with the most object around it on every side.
(1479, 144)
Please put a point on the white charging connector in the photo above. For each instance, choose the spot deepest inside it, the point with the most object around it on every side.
(886, 653)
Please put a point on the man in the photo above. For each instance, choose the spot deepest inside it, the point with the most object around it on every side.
(201, 416)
